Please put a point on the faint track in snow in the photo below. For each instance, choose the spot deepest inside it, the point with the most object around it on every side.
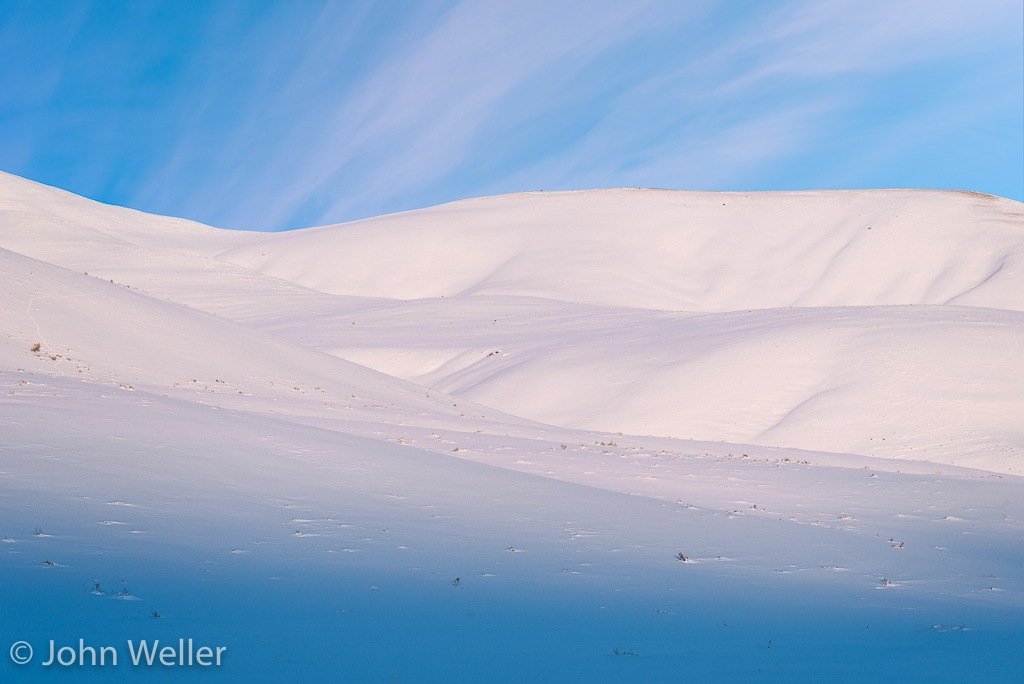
(992, 368)
(45, 346)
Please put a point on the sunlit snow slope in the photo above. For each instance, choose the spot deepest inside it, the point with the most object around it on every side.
(883, 322)
(874, 322)
(594, 436)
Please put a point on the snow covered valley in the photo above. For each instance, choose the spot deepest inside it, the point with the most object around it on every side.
(613, 435)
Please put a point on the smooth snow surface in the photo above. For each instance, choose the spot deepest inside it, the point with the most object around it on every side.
(470, 443)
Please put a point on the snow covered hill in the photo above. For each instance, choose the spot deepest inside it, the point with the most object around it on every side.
(673, 250)
(577, 309)
(672, 424)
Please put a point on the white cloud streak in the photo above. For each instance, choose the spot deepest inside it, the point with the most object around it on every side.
(701, 95)
(775, 88)
(419, 113)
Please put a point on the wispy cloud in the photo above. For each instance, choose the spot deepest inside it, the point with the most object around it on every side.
(337, 139)
(798, 84)
(289, 114)
(422, 113)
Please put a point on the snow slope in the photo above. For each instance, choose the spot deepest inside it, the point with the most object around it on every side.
(937, 383)
(617, 347)
(99, 332)
(673, 250)
(471, 442)
(771, 362)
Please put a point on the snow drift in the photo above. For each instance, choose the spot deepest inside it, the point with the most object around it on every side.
(467, 439)
(673, 250)
(882, 322)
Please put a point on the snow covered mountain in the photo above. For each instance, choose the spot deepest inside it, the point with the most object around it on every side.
(527, 393)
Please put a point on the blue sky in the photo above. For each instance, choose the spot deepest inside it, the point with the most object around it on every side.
(277, 115)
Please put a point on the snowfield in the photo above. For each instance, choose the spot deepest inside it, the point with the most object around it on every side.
(609, 435)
